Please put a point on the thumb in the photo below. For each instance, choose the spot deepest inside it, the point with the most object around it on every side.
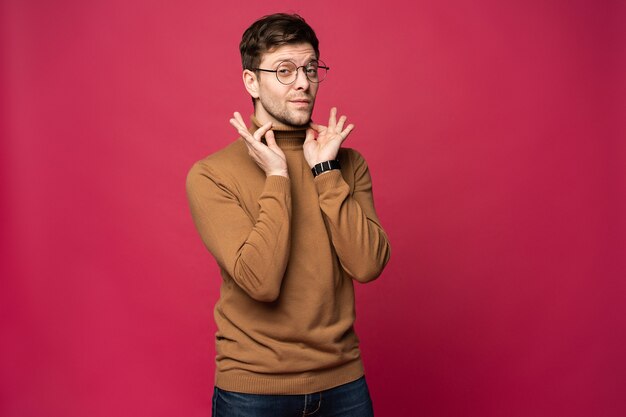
(310, 135)
(270, 139)
(316, 127)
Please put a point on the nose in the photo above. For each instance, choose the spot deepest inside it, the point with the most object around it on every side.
(301, 82)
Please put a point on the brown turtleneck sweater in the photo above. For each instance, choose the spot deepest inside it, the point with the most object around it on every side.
(288, 250)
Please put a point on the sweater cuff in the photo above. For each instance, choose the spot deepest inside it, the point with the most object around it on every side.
(328, 181)
(277, 184)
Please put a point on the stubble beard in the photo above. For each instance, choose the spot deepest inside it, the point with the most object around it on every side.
(286, 117)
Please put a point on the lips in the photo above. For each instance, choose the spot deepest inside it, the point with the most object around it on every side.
(300, 102)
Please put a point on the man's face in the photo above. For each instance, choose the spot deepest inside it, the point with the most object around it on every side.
(292, 104)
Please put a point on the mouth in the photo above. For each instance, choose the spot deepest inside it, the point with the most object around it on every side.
(300, 102)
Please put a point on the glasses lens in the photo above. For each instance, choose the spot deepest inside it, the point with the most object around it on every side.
(315, 71)
(286, 72)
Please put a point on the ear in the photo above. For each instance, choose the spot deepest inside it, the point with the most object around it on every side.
(251, 83)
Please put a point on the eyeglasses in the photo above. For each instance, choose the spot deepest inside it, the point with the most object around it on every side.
(287, 71)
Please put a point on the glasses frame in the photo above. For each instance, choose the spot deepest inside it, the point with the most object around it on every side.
(321, 64)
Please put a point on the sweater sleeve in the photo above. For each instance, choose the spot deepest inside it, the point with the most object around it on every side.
(356, 234)
(253, 252)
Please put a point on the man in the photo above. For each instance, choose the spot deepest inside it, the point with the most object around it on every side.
(289, 217)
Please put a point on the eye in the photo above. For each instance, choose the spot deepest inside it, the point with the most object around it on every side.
(285, 69)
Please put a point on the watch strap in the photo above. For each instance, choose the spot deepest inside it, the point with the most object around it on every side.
(325, 166)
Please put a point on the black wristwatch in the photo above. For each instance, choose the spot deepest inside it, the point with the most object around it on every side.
(325, 166)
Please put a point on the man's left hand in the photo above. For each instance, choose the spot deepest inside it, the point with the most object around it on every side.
(329, 138)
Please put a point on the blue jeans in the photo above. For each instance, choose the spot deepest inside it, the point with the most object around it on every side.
(348, 400)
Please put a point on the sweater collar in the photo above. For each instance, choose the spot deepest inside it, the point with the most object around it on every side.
(286, 137)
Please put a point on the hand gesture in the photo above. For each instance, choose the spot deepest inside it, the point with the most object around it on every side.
(270, 158)
(329, 139)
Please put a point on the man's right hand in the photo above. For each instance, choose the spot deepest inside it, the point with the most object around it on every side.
(270, 158)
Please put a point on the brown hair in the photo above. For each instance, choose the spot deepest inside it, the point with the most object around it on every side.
(272, 31)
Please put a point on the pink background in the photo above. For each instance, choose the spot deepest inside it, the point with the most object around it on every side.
(495, 134)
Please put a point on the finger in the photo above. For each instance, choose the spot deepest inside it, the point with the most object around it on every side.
(342, 120)
(332, 120)
(260, 132)
(347, 131)
(270, 139)
(237, 122)
(254, 147)
(237, 125)
(238, 117)
(243, 132)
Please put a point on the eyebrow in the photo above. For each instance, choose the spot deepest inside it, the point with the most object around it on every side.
(277, 60)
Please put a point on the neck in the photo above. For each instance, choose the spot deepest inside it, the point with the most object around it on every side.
(262, 119)
(286, 136)
(262, 116)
